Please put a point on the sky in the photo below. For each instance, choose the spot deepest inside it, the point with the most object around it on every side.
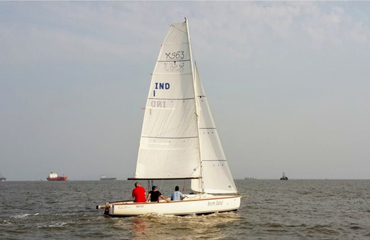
(287, 83)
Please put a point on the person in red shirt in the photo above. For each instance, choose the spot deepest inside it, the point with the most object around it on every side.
(139, 193)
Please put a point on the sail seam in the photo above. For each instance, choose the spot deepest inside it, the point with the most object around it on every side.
(169, 137)
(175, 99)
(173, 60)
(167, 73)
(175, 43)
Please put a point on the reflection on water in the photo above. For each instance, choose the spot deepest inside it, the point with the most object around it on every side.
(139, 225)
(154, 226)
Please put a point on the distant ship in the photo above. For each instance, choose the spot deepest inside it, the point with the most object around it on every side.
(284, 177)
(2, 179)
(253, 178)
(104, 178)
(54, 177)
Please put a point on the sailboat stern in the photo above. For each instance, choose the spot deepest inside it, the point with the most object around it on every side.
(106, 210)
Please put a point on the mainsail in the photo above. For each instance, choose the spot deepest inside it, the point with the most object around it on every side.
(169, 144)
(179, 139)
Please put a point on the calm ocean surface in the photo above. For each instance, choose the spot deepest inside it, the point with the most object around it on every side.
(293, 209)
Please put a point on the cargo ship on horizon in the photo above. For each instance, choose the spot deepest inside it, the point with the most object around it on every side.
(54, 177)
(104, 178)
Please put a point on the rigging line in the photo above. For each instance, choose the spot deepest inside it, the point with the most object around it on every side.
(161, 185)
(195, 78)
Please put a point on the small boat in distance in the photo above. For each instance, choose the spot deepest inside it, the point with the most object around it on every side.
(54, 177)
(2, 178)
(104, 178)
(284, 177)
(250, 178)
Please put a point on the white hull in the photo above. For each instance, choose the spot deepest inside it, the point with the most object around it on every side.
(193, 204)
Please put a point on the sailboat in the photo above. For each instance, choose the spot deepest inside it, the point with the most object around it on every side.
(179, 139)
(2, 179)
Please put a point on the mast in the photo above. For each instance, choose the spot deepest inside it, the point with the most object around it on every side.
(195, 102)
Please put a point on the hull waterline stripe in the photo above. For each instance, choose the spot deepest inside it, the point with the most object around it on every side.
(183, 214)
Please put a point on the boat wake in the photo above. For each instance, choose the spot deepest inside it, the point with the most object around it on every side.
(24, 215)
(56, 225)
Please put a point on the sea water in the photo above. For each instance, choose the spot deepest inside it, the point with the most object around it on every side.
(293, 209)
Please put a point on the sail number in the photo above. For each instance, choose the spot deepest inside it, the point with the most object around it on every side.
(158, 104)
(175, 55)
(173, 67)
(159, 86)
(215, 203)
(165, 86)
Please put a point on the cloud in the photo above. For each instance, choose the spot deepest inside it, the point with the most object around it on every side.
(100, 31)
(335, 26)
(40, 46)
(359, 33)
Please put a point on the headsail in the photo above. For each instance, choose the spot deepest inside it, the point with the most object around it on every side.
(216, 175)
(169, 144)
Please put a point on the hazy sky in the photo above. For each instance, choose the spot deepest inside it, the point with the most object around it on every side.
(287, 82)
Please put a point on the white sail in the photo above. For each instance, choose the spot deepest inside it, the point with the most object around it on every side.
(179, 138)
(216, 175)
(169, 144)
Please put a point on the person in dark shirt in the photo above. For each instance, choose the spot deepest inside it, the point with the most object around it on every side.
(154, 195)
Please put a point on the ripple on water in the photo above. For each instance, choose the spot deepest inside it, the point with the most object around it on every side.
(304, 209)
